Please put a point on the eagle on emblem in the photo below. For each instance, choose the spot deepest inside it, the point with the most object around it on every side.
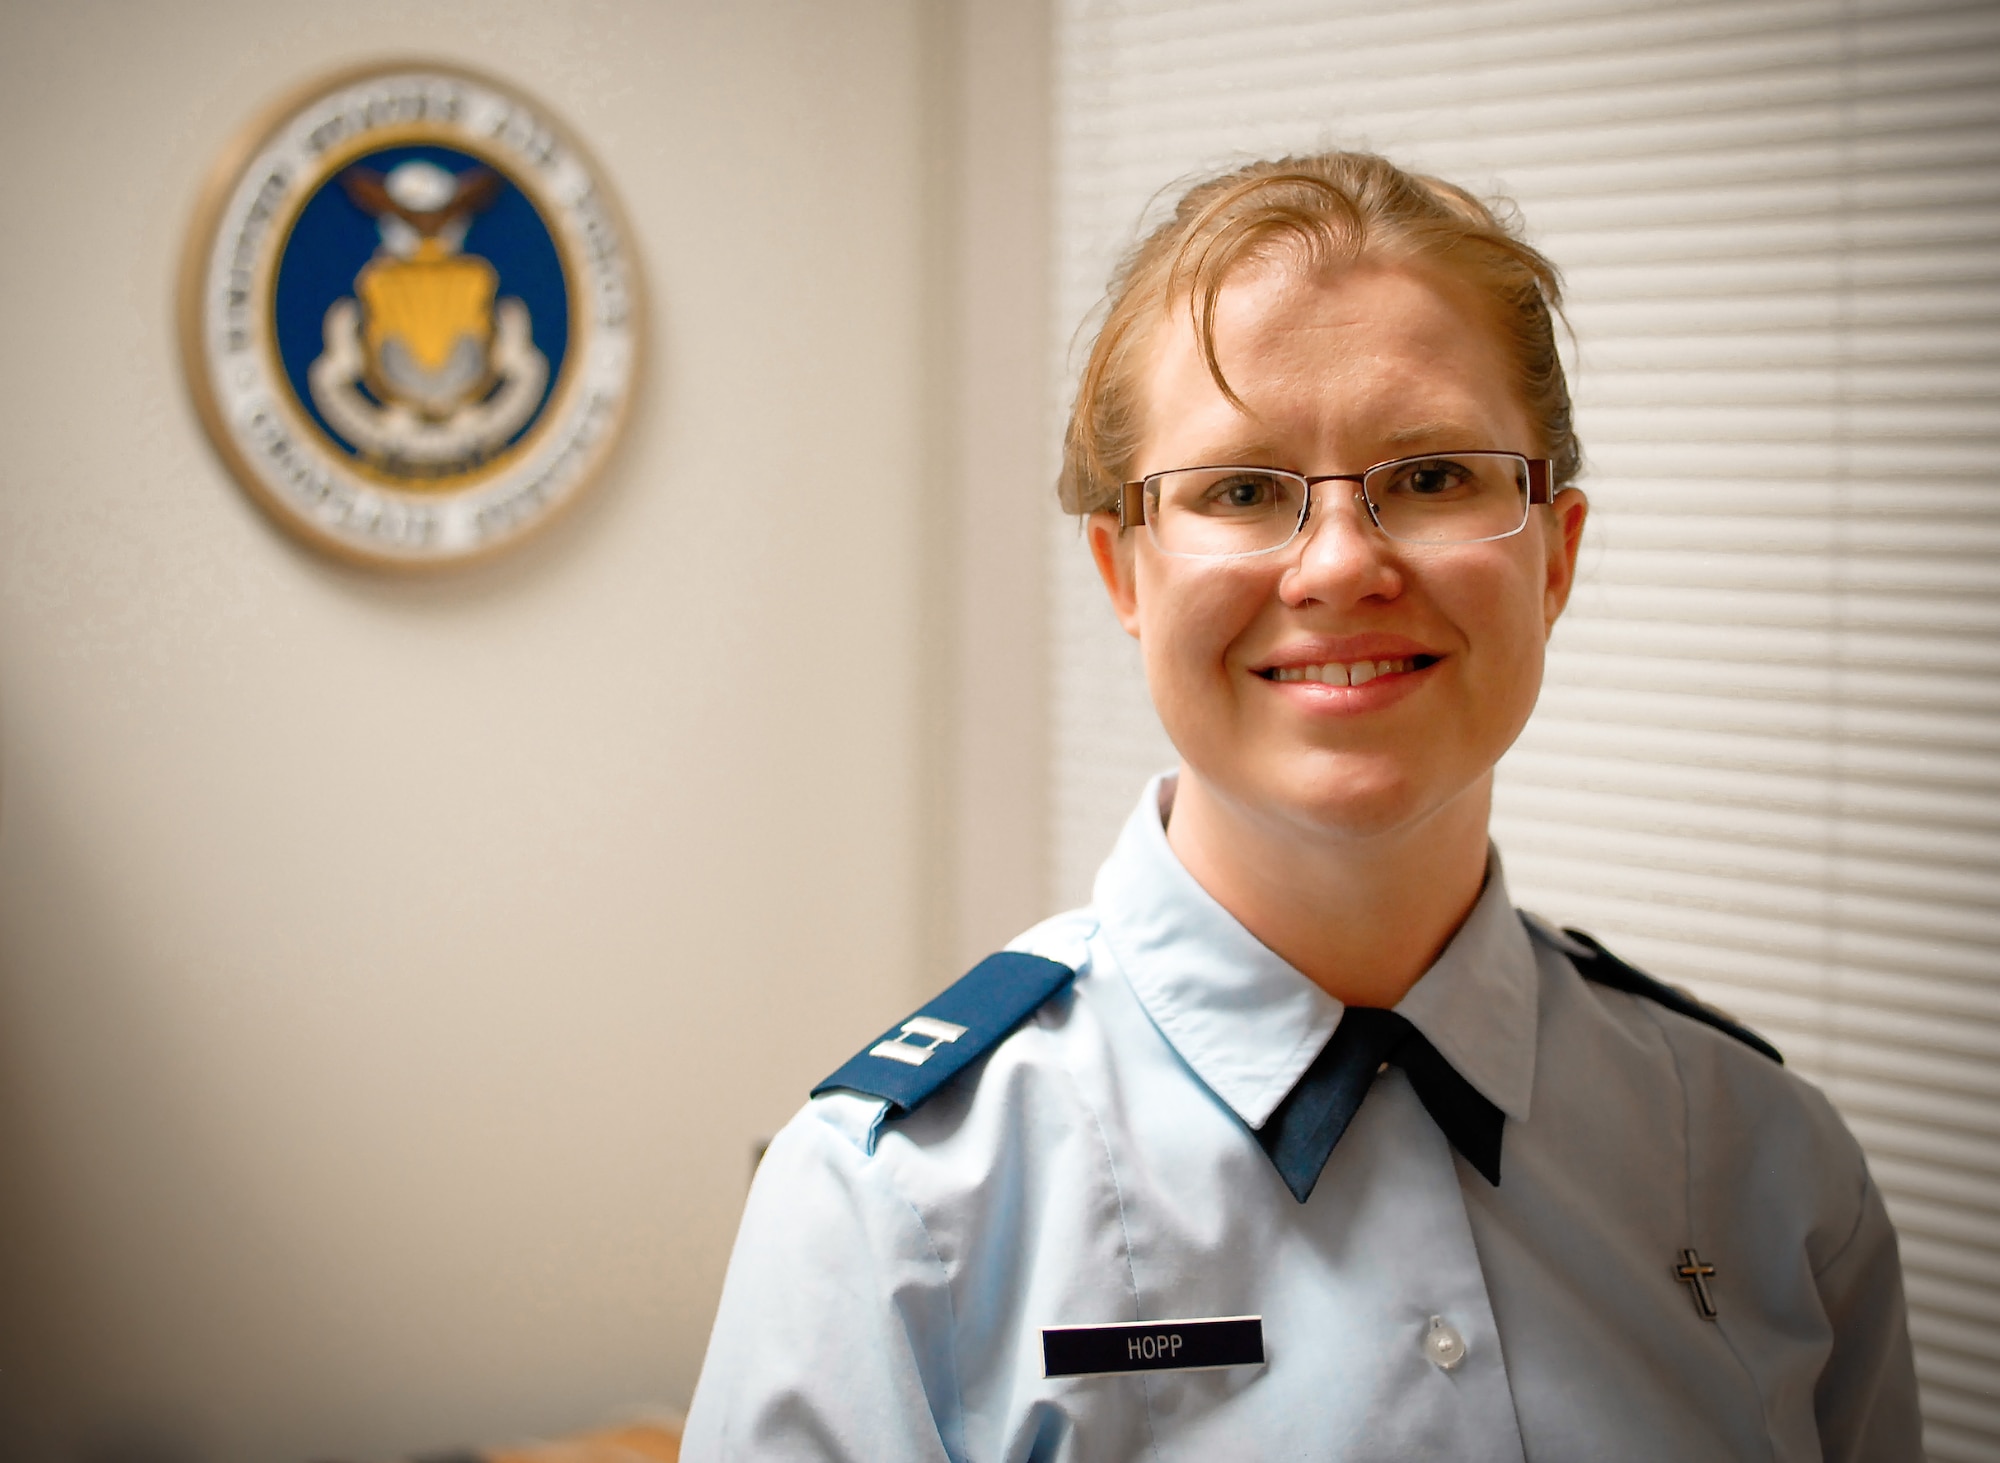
(425, 368)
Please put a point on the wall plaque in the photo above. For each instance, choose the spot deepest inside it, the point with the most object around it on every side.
(410, 315)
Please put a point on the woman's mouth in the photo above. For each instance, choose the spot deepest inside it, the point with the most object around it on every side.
(1347, 673)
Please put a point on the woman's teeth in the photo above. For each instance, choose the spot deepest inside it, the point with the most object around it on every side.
(1333, 673)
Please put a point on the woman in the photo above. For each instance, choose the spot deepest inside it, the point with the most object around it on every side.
(1117, 1193)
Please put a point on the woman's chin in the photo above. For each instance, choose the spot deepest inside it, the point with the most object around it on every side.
(1348, 797)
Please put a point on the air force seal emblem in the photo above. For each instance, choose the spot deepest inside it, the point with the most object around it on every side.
(409, 315)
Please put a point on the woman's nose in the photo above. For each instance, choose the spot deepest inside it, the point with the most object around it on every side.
(1342, 554)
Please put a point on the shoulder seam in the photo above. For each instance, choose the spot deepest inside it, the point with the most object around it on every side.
(881, 1175)
(1854, 1231)
(1688, 1199)
(951, 1313)
(1124, 1228)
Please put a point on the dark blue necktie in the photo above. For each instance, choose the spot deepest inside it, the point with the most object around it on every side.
(1300, 1134)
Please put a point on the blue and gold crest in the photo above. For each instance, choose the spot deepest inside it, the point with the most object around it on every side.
(409, 316)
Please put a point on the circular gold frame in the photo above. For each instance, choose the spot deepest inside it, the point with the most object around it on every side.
(197, 253)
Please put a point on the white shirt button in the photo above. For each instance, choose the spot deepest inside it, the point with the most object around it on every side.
(1443, 1346)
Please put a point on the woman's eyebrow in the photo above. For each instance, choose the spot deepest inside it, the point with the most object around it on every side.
(1429, 432)
(1238, 454)
(1249, 452)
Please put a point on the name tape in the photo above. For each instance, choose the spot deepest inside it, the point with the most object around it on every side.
(1152, 1346)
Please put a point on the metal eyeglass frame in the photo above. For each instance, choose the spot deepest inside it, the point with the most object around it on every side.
(1132, 497)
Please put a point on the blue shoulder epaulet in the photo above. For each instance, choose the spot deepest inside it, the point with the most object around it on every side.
(960, 1024)
(1606, 969)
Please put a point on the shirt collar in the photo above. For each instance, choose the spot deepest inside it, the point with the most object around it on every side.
(1479, 1004)
(1249, 1024)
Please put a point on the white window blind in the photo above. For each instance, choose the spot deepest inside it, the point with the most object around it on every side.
(1767, 762)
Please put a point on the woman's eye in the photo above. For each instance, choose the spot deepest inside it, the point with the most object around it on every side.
(1242, 492)
(1430, 479)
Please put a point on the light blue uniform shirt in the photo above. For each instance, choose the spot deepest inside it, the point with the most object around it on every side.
(892, 1277)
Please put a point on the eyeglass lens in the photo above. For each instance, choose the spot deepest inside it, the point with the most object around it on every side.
(1218, 511)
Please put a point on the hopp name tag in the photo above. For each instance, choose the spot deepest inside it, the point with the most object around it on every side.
(1152, 1346)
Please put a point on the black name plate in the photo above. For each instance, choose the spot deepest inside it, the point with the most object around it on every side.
(1152, 1346)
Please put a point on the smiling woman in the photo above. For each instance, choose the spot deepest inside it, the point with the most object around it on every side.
(1304, 801)
(1214, 1167)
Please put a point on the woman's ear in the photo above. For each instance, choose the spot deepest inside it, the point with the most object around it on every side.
(1111, 550)
(1564, 542)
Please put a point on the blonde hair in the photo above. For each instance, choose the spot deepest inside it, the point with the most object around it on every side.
(1321, 212)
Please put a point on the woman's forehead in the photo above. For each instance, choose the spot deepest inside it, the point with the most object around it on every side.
(1384, 354)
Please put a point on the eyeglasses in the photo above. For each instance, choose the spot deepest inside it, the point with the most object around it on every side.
(1441, 498)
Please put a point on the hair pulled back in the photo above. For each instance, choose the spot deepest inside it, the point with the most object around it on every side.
(1318, 213)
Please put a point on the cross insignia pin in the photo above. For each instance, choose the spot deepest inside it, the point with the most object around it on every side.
(1695, 1275)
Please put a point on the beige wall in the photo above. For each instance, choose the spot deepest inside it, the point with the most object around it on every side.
(395, 974)
(1000, 435)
